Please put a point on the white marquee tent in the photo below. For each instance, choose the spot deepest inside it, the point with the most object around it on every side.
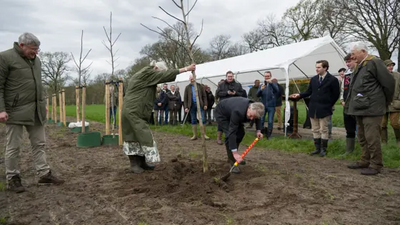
(293, 61)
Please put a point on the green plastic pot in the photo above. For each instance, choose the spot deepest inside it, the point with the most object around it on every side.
(50, 121)
(60, 124)
(89, 139)
(79, 129)
(110, 140)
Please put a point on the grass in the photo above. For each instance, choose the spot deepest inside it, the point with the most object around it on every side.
(97, 113)
(391, 153)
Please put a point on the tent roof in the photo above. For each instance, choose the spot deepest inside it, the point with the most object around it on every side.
(300, 57)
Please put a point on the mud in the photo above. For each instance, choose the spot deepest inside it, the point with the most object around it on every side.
(274, 187)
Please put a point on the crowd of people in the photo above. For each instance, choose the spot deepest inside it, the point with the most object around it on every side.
(368, 89)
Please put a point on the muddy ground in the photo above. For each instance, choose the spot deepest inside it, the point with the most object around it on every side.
(273, 188)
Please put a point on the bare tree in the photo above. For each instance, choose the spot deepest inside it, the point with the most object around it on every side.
(302, 20)
(83, 73)
(219, 46)
(275, 32)
(54, 68)
(373, 21)
(188, 43)
(254, 40)
(110, 47)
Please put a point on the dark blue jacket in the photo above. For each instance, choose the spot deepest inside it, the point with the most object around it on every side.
(268, 95)
(161, 99)
(323, 96)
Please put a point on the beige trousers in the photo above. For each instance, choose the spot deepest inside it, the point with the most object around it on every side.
(14, 135)
(319, 127)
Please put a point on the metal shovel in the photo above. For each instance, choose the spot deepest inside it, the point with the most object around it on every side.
(226, 176)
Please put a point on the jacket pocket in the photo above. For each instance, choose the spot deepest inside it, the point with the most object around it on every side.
(396, 104)
(360, 102)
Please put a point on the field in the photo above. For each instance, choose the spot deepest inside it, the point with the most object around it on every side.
(280, 184)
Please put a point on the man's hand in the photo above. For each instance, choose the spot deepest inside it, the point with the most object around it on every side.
(238, 158)
(295, 96)
(3, 116)
(343, 103)
(259, 134)
(159, 104)
(191, 67)
(262, 87)
(205, 107)
(274, 80)
(186, 110)
(231, 93)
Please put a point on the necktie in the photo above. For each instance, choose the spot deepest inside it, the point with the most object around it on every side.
(320, 79)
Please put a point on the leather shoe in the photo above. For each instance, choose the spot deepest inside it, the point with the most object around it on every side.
(369, 171)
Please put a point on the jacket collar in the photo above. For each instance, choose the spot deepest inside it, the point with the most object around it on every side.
(20, 52)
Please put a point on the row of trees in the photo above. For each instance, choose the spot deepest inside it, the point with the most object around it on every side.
(375, 22)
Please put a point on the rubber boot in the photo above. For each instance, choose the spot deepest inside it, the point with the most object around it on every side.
(145, 165)
(269, 132)
(397, 135)
(324, 147)
(350, 142)
(219, 136)
(317, 143)
(135, 164)
(231, 160)
(384, 135)
(194, 130)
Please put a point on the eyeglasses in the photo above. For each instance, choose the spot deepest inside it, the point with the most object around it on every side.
(32, 48)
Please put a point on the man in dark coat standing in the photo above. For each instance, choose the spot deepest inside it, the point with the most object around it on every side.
(227, 89)
(231, 113)
(371, 92)
(324, 91)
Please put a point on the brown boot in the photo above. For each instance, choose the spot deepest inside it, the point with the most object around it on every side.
(194, 130)
(370, 171)
(50, 179)
(219, 136)
(14, 184)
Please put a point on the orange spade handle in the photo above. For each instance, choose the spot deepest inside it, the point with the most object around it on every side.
(247, 150)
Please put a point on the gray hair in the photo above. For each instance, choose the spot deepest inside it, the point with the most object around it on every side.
(28, 39)
(359, 46)
(160, 65)
(258, 107)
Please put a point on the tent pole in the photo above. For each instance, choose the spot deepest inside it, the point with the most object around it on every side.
(300, 70)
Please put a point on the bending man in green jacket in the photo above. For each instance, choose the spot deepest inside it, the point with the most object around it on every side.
(139, 98)
(22, 103)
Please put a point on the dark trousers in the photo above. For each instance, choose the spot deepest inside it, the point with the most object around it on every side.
(368, 135)
(350, 124)
(208, 115)
(166, 114)
(113, 117)
(224, 125)
(179, 114)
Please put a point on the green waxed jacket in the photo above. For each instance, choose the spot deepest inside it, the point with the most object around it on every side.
(139, 102)
(21, 91)
(371, 89)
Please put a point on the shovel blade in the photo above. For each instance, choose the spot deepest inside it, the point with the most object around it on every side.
(226, 176)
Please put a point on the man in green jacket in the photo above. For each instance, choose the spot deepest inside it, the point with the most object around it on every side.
(22, 103)
(393, 112)
(139, 98)
(371, 91)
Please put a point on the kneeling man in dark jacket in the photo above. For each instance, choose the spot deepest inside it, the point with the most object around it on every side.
(230, 114)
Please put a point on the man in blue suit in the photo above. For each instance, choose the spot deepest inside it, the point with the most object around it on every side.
(324, 91)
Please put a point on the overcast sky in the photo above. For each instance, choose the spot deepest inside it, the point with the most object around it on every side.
(58, 23)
